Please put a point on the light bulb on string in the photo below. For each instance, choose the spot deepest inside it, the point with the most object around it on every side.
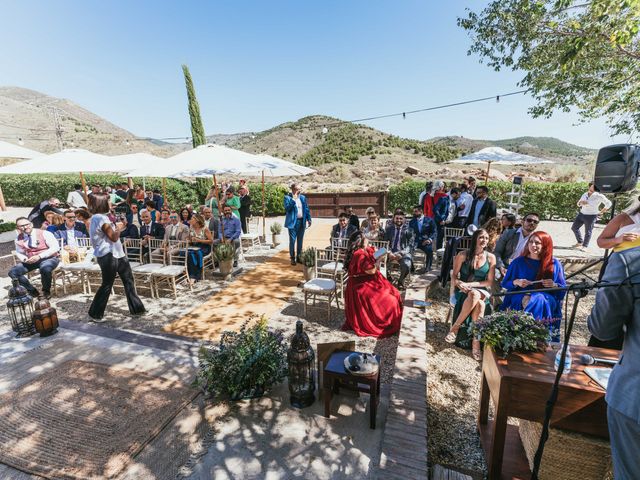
(20, 141)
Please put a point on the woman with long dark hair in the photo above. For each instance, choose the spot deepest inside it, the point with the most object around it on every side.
(473, 275)
(536, 269)
(107, 248)
(372, 306)
(185, 216)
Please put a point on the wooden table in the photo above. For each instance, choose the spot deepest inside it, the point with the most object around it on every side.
(519, 386)
(336, 377)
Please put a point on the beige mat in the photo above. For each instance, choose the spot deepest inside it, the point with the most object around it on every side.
(261, 291)
(85, 420)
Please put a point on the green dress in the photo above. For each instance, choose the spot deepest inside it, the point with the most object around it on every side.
(234, 203)
(468, 274)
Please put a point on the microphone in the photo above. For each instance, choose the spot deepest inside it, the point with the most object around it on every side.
(587, 359)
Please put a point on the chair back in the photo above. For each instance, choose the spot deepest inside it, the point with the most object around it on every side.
(450, 232)
(339, 247)
(378, 244)
(133, 249)
(253, 224)
(177, 252)
(463, 244)
(324, 257)
(156, 251)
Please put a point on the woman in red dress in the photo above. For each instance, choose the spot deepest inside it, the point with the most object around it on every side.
(373, 307)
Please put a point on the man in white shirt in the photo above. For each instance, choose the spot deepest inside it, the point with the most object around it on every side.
(512, 242)
(589, 205)
(75, 199)
(35, 249)
(464, 202)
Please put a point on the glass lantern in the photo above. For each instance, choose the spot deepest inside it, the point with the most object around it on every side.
(301, 360)
(45, 317)
(20, 308)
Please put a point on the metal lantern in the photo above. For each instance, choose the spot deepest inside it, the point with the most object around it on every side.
(301, 359)
(20, 308)
(45, 317)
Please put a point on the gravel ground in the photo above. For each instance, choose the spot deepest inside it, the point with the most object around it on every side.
(453, 390)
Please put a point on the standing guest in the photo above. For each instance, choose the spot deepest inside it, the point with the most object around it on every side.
(211, 201)
(589, 205)
(35, 248)
(243, 184)
(440, 210)
(353, 218)
(164, 217)
(372, 306)
(471, 186)
(616, 313)
(369, 212)
(343, 229)
(232, 230)
(185, 216)
(201, 241)
(401, 245)
(374, 231)
(297, 218)
(424, 230)
(108, 249)
(511, 243)
(158, 199)
(493, 227)
(114, 197)
(139, 194)
(232, 201)
(452, 216)
(536, 268)
(36, 215)
(508, 221)
(84, 216)
(482, 208)
(463, 205)
(75, 198)
(473, 276)
(122, 190)
(245, 207)
(428, 186)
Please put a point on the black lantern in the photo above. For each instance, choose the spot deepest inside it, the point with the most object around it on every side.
(45, 317)
(300, 357)
(20, 308)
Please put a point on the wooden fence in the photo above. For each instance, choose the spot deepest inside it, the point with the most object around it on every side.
(331, 204)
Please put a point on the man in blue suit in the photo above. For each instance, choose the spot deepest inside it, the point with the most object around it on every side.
(616, 310)
(424, 229)
(70, 230)
(297, 218)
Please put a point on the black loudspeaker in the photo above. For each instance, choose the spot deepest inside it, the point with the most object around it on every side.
(617, 168)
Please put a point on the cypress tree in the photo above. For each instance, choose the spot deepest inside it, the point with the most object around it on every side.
(197, 128)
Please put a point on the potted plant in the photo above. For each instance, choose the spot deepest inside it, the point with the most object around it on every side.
(245, 364)
(224, 254)
(308, 258)
(276, 231)
(512, 330)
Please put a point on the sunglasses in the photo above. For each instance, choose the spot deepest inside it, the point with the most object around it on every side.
(173, 216)
(25, 225)
(71, 217)
(532, 220)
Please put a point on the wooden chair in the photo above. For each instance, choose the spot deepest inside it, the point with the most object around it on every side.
(175, 272)
(324, 284)
(141, 271)
(337, 252)
(449, 232)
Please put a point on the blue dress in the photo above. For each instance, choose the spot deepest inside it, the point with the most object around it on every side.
(542, 305)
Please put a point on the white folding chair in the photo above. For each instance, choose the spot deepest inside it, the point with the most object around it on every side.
(175, 272)
(449, 232)
(250, 241)
(324, 284)
(69, 271)
(378, 244)
(142, 271)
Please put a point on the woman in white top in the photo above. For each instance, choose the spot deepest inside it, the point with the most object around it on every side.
(107, 248)
(623, 231)
(589, 205)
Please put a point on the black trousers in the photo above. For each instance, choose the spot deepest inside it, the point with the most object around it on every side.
(109, 267)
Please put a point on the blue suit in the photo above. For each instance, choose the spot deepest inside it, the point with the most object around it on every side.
(427, 231)
(295, 225)
(440, 214)
(616, 307)
(79, 231)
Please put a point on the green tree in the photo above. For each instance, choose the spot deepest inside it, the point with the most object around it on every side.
(197, 128)
(582, 54)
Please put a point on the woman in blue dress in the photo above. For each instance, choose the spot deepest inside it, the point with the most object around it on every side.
(536, 269)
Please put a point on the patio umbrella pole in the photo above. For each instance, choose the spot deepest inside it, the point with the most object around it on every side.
(215, 192)
(84, 188)
(2, 205)
(264, 230)
(164, 190)
(130, 182)
(486, 180)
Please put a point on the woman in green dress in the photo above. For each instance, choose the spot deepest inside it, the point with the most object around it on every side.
(232, 200)
(473, 275)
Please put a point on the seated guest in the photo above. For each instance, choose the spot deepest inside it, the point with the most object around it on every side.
(512, 241)
(148, 230)
(158, 199)
(232, 201)
(35, 248)
(373, 307)
(133, 217)
(424, 231)
(200, 239)
(48, 220)
(353, 218)
(232, 230)
(150, 206)
(401, 244)
(176, 230)
(185, 216)
(473, 275)
(69, 231)
(536, 268)
(369, 212)
(245, 207)
(75, 198)
(122, 190)
(508, 221)
(129, 230)
(164, 217)
(373, 231)
(493, 226)
(482, 208)
(36, 215)
(342, 229)
(212, 223)
(55, 221)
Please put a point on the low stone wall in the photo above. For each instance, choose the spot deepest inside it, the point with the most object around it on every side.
(404, 440)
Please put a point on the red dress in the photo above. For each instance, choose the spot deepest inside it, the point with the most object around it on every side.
(373, 307)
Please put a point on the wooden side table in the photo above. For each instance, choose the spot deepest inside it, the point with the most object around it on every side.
(519, 386)
(336, 377)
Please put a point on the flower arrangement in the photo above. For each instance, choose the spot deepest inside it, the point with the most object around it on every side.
(246, 363)
(276, 228)
(512, 330)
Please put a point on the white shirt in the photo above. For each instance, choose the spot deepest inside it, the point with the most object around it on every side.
(465, 199)
(593, 202)
(52, 244)
(71, 238)
(522, 241)
(299, 207)
(102, 245)
(75, 199)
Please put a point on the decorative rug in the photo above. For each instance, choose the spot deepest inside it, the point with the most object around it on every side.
(85, 420)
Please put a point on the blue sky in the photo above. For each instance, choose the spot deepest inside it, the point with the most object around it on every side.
(256, 64)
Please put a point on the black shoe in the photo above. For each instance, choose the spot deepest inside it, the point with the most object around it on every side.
(293, 261)
(235, 264)
(298, 260)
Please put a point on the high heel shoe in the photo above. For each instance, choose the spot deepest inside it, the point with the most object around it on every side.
(451, 336)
